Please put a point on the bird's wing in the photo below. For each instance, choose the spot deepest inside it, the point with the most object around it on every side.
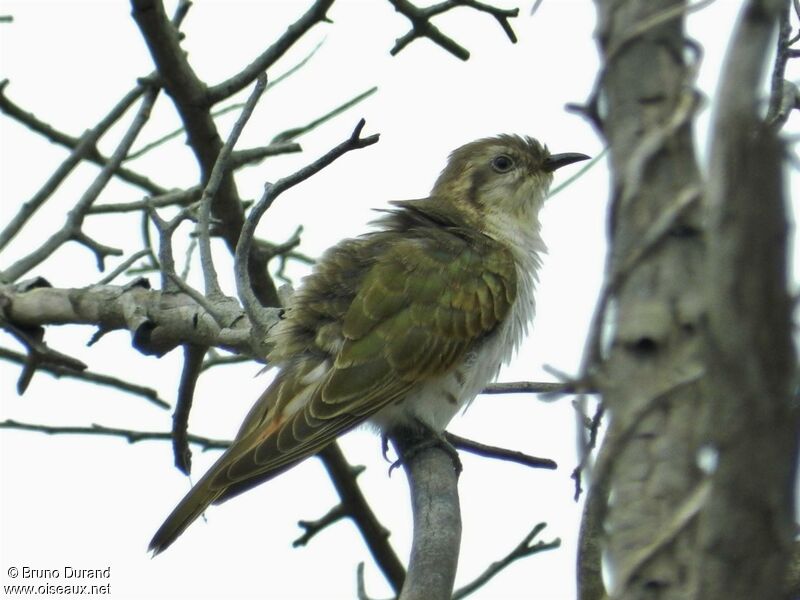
(422, 303)
(418, 311)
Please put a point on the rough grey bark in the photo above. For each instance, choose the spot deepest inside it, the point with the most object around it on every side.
(656, 342)
(699, 365)
(433, 482)
(158, 321)
(747, 527)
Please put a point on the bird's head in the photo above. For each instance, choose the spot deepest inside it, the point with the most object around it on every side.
(500, 178)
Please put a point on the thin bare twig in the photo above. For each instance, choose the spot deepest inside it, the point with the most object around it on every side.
(375, 535)
(218, 113)
(249, 156)
(85, 145)
(421, 25)
(295, 132)
(123, 266)
(59, 371)
(173, 198)
(71, 230)
(33, 123)
(166, 259)
(315, 14)
(192, 367)
(214, 360)
(312, 528)
(499, 453)
(529, 387)
(577, 175)
(213, 290)
(132, 436)
(783, 97)
(524, 548)
(38, 353)
(261, 319)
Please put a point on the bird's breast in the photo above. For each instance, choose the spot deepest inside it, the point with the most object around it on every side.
(437, 400)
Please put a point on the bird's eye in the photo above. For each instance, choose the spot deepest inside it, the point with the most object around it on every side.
(502, 163)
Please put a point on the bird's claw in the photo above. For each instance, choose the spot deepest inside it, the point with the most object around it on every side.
(438, 439)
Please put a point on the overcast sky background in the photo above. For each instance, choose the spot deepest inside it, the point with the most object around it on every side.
(94, 502)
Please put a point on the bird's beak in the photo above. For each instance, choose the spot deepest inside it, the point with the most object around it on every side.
(556, 161)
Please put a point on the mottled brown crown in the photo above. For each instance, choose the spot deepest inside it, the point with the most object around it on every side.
(470, 161)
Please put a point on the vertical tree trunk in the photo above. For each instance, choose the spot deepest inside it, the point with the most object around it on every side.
(666, 460)
(747, 526)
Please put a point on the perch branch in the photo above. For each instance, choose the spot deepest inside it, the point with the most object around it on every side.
(432, 480)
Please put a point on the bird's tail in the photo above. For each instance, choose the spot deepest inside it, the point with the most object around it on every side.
(188, 509)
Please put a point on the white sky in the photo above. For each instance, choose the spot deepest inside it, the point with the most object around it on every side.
(95, 502)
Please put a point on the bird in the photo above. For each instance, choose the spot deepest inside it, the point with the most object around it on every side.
(401, 326)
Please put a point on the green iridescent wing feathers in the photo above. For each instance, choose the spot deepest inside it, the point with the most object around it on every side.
(425, 297)
(380, 314)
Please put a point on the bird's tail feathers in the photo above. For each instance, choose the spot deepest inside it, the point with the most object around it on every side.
(188, 509)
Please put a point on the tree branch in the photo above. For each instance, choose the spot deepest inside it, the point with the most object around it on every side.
(158, 321)
(749, 348)
(59, 371)
(262, 319)
(524, 549)
(30, 121)
(432, 481)
(192, 101)
(295, 132)
(499, 453)
(172, 198)
(355, 505)
(192, 367)
(130, 435)
(421, 25)
(651, 339)
(529, 387)
(213, 291)
(72, 227)
(315, 14)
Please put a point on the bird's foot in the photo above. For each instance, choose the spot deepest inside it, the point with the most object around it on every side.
(424, 438)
